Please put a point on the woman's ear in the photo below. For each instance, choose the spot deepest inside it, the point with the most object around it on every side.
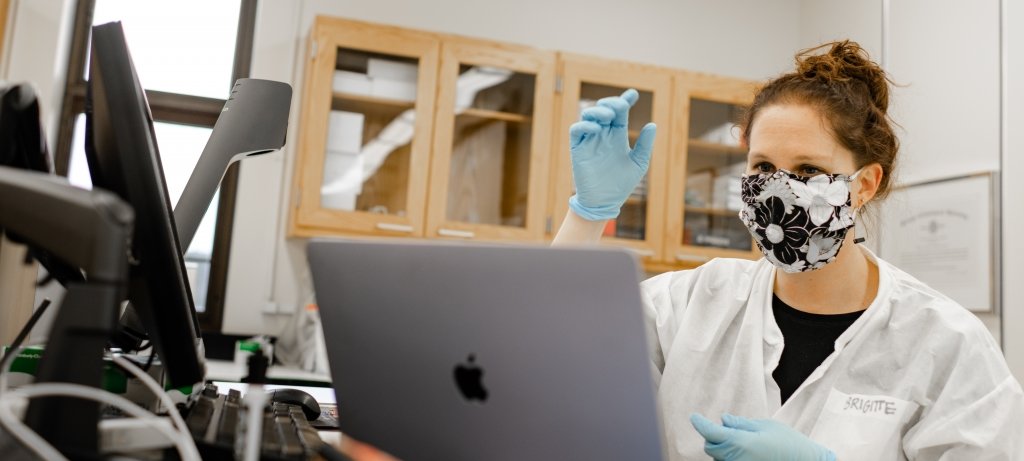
(868, 181)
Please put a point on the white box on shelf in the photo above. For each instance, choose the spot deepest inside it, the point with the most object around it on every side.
(725, 193)
(345, 131)
(726, 134)
(391, 70)
(352, 82)
(343, 180)
(393, 89)
(585, 103)
(698, 189)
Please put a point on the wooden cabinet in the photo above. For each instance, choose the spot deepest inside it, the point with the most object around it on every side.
(419, 134)
(706, 163)
(584, 81)
(364, 145)
(492, 137)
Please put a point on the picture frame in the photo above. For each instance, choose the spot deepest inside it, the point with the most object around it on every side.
(945, 233)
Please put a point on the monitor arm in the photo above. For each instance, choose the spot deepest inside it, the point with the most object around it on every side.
(87, 229)
(254, 121)
(90, 230)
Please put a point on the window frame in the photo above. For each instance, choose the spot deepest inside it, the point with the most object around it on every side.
(173, 108)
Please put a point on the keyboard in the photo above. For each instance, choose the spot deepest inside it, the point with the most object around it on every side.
(214, 419)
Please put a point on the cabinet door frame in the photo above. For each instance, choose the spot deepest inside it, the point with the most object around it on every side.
(456, 51)
(688, 86)
(307, 217)
(578, 69)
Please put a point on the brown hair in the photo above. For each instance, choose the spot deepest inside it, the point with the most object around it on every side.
(850, 91)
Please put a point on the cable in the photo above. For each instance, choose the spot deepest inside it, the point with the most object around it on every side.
(46, 451)
(15, 348)
(153, 386)
(183, 440)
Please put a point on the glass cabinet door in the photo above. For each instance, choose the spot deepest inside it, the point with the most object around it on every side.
(708, 161)
(491, 140)
(363, 155)
(585, 80)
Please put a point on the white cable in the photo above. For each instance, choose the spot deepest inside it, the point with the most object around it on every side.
(29, 439)
(3, 371)
(165, 399)
(46, 451)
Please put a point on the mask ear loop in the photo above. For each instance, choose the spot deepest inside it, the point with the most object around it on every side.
(856, 239)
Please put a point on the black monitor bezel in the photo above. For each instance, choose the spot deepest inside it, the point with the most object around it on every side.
(123, 157)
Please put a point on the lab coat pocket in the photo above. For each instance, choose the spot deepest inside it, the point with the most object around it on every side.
(862, 427)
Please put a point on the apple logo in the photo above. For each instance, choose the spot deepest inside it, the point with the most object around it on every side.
(469, 379)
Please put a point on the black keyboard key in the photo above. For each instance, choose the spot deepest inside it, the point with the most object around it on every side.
(200, 416)
(228, 422)
(271, 445)
(210, 390)
(307, 435)
(291, 447)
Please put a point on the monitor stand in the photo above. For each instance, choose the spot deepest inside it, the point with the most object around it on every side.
(87, 229)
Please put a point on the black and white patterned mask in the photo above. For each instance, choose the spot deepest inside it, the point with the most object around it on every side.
(798, 222)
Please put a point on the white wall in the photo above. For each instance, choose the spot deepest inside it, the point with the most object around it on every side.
(748, 39)
(37, 52)
(945, 57)
(1013, 187)
(829, 20)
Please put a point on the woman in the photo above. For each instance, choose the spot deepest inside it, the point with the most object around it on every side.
(821, 349)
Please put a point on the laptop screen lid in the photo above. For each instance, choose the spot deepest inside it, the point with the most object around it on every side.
(469, 352)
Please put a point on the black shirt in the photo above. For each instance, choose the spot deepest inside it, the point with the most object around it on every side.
(809, 339)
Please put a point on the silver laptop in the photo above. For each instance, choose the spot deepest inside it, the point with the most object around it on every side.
(456, 352)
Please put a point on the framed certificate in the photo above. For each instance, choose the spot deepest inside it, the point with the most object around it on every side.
(945, 233)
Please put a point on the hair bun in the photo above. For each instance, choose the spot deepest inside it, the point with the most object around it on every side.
(845, 61)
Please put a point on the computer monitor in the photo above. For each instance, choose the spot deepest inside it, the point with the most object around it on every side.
(121, 149)
(23, 146)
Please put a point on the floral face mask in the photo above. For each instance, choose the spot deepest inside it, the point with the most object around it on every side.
(798, 222)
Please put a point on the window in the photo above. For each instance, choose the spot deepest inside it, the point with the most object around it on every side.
(187, 54)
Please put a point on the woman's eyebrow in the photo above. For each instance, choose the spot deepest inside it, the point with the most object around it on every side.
(801, 158)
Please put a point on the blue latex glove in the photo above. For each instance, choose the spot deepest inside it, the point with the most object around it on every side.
(604, 168)
(739, 438)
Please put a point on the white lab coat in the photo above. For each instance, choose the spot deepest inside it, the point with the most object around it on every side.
(916, 377)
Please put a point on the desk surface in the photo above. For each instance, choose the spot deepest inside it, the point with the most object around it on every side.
(323, 395)
(223, 370)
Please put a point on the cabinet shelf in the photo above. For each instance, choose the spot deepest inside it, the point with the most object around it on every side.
(636, 201)
(494, 115)
(712, 211)
(699, 146)
(353, 102)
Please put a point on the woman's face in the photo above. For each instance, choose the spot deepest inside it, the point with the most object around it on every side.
(795, 137)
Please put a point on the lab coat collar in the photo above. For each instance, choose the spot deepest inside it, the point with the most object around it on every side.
(879, 310)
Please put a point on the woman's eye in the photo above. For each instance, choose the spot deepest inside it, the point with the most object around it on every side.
(810, 171)
(764, 167)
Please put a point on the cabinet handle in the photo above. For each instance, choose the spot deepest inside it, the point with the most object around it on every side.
(394, 227)
(641, 252)
(692, 258)
(455, 233)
